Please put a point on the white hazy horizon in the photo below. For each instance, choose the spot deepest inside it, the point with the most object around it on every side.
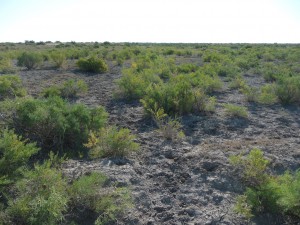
(161, 21)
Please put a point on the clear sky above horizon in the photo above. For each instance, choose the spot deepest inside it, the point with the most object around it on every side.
(195, 21)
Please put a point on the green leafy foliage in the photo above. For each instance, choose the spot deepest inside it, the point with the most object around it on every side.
(266, 193)
(11, 86)
(69, 89)
(41, 197)
(288, 90)
(170, 128)
(14, 155)
(52, 122)
(92, 64)
(59, 59)
(30, 60)
(111, 142)
(253, 167)
(91, 192)
(235, 110)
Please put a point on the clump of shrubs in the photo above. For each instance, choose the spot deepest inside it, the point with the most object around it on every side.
(69, 89)
(111, 142)
(276, 194)
(53, 123)
(92, 64)
(42, 195)
(59, 59)
(30, 60)
(11, 86)
(232, 110)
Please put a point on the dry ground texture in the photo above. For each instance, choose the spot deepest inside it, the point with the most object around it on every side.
(189, 181)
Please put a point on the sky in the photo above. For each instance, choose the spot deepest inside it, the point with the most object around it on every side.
(163, 21)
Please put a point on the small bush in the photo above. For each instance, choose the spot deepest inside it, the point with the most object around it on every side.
(91, 192)
(251, 93)
(264, 192)
(168, 127)
(252, 167)
(11, 86)
(187, 68)
(72, 88)
(52, 122)
(30, 60)
(288, 90)
(237, 83)
(267, 95)
(59, 59)
(14, 155)
(41, 197)
(111, 142)
(236, 111)
(69, 89)
(6, 66)
(92, 64)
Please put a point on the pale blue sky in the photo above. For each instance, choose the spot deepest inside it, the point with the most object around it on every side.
(213, 21)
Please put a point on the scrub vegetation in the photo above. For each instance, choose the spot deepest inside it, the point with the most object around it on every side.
(129, 133)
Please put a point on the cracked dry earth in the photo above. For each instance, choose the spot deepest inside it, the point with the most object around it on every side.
(190, 182)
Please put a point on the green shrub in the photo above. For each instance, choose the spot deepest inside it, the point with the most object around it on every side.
(267, 94)
(207, 83)
(51, 91)
(11, 86)
(111, 142)
(90, 192)
(288, 90)
(235, 110)
(187, 68)
(133, 85)
(266, 193)
(52, 122)
(40, 197)
(237, 83)
(174, 97)
(251, 93)
(203, 103)
(30, 60)
(72, 88)
(252, 167)
(59, 59)
(6, 66)
(92, 64)
(69, 89)
(14, 155)
(169, 128)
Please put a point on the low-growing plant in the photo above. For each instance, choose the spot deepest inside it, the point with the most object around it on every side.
(69, 89)
(53, 123)
(11, 86)
(237, 83)
(91, 192)
(6, 66)
(111, 142)
(170, 128)
(40, 197)
(264, 192)
(14, 155)
(187, 68)
(251, 93)
(235, 110)
(267, 94)
(59, 59)
(92, 64)
(288, 90)
(252, 167)
(30, 60)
